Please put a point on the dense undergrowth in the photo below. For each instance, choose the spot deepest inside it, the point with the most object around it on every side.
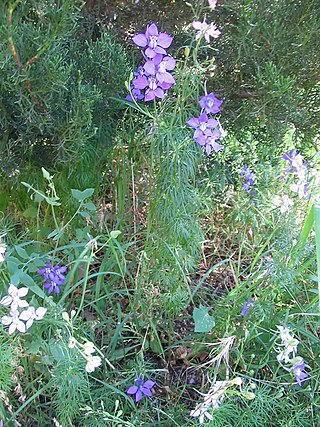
(160, 225)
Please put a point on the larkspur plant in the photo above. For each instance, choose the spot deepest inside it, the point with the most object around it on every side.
(207, 132)
(53, 277)
(153, 78)
(246, 308)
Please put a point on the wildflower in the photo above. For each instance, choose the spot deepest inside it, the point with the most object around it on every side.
(54, 274)
(14, 322)
(210, 103)
(246, 307)
(212, 3)
(212, 144)
(52, 287)
(284, 203)
(141, 389)
(206, 30)
(154, 41)
(249, 176)
(93, 362)
(298, 370)
(203, 127)
(32, 314)
(201, 412)
(159, 67)
(88, 348)
(290, 345)
(295, 159)
(72, 342)
(13, 299)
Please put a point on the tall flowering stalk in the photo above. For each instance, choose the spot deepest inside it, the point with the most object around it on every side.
(153, 78)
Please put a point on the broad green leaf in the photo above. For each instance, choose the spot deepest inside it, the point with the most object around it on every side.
(21, 252)
(90, 206)
(82, 195)
(202, 319)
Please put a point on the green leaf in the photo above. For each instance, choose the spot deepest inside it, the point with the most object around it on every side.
(90, 206)
(202, 319)
(21, 252)
(31, 212)
(13, 264)
(82, 195)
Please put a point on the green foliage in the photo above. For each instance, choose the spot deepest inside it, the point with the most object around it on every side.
(8, 360)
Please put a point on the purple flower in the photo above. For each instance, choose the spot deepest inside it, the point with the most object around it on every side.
(158, 67)
(141, 389)
(136, 94)
(298, 371)
(249, 176)
(210, 103)
(53, 277)
(203, 126)
(151, 85)
(154, 41)
(246, 307)
(211, 143)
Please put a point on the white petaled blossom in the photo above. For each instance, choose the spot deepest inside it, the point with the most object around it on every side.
(14, 322)
(88, 348)
(32, 314)
(290, 345)
(93, 362)
(72, 342)
(213, 399)
(14, 298)
(206, 30)
(201, 412)
(212, 3)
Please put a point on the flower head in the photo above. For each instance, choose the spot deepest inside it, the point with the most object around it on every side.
(54, 277)
(210, 103)
(14, 322)
(298, 370)
(93, 362)
(32, 314)
(14, 298)
(246, 307)
(284, 203)
(154, 41)
(141, 389)
(202, 413)
(206, 30)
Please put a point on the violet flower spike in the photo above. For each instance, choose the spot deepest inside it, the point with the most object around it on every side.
(154, 41)
(141, 389)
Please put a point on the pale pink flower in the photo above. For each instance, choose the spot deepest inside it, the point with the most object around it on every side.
(32, 314)
(212, 3)
(14, 322)
(206, 30)
(13, 299)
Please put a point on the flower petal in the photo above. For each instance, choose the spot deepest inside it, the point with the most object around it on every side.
(132, 390)
(140, 40)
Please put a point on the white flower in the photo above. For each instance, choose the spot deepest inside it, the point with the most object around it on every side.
(93, 362)
(13, 322)
(206, 30)
(88, 348)
(13, 299)
(32, 314)
(201, 412)
(284, 203)
(289, 342)
(72, 342)
(3, 248)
